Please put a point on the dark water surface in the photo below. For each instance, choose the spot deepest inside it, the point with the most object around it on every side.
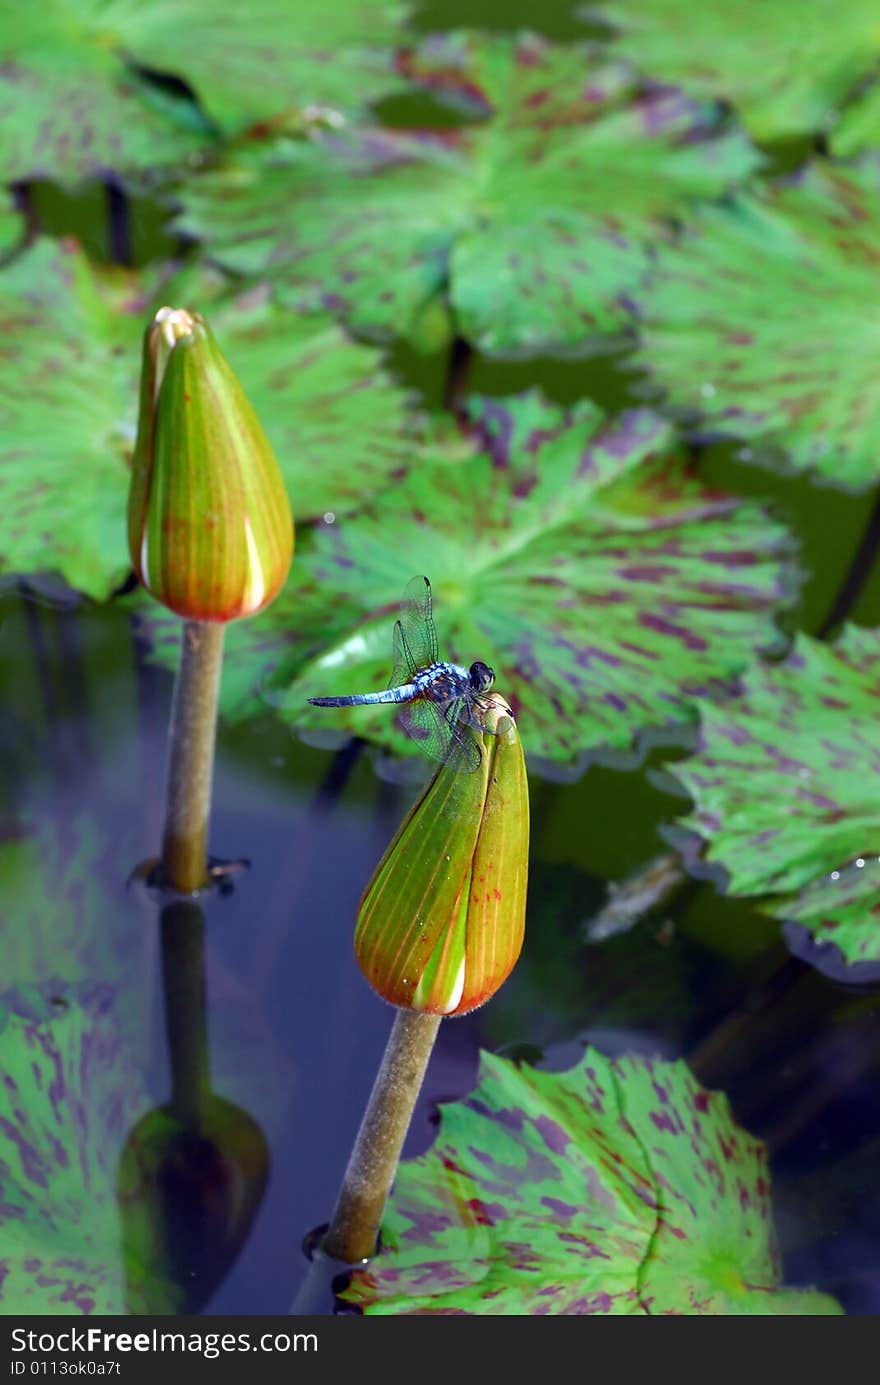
(295, 1034)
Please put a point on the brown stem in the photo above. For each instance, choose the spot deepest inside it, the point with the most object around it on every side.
(376, 1153)
(191, 756)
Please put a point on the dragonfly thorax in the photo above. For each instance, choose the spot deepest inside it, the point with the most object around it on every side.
(443, 682)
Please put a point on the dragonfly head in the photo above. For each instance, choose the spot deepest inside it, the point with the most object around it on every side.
(482, 677)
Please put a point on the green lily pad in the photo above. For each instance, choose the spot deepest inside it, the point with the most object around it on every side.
(75, 100)
(68, 1097)
(11, 224)
(68, 406)
(532, 221)
(619, 1186)
(785, 789)
(68, 381)
(859, 127)
(577, 554)
(723, 330)
(72, 105)
(56, 902)
(785, 67)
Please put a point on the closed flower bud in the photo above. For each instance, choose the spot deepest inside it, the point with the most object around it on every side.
(209, 525)
(440, 926)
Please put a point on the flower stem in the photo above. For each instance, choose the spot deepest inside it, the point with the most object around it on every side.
(191, 756)
(374, 1158)
(186, 1024)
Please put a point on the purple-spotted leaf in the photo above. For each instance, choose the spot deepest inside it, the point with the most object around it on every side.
(859, 126)
(618, 1186)
(72, 106)
(75, 94)
(532, 221)
(785, 789)
(11, 224)
(786, 67)
(68, 401)
(69, 1093)
(578, 556)
(722, 329)
(59, 883)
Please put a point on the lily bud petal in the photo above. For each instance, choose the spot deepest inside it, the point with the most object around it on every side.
(210, 530)
(441, 923)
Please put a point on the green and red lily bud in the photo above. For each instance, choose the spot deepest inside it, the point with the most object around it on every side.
(210, 530)
(441, 923)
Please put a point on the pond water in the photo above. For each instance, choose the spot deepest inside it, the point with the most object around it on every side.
(294, 1032)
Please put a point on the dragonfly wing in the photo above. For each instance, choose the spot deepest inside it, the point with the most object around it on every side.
(417, 622)
(438, 735)
(404, 666)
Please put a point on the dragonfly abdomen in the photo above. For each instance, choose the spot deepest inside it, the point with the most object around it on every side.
(405, 693)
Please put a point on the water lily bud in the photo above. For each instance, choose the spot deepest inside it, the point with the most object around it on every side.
(441, 923)
(209, 525)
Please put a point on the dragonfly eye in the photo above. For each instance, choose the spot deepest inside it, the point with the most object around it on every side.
(482, 677)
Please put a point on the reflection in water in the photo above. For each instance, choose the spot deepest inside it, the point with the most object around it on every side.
(194, 1170)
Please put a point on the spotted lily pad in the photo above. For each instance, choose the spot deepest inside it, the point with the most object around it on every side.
(11, 224)
(69, 1093)
(785, 786)
(723, 327)
(576, 554)
(619, 1186)
(75, 98)
(68, 405)
(60, 881)
(859, 126)
(532, 220)
(786, 67)
(72, 104)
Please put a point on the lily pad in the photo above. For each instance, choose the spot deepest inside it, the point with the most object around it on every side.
(68, 380)
(785, 789)
(11, 224)
(68, 1097)
(68, 407)
(619, 1187)
(578, 555)
(72, 105)
(722, 328)
(786, 67)
(859, 127)
(54, 883)
(532, 221)
(75, 94)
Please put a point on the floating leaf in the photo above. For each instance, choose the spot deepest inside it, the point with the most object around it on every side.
(785, 67)
(616, 1187)
(68, 380)
(859, 126)
(72, 106)
(723, 321)
(577, 556)
(75, 94)
(68, 1095)
(11, 224)
(56, 901)
(68, 407)
(785, 788)
(533, 220)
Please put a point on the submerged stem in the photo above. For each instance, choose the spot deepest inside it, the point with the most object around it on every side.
(376, 1153)
(191, 756)
(186, 1024)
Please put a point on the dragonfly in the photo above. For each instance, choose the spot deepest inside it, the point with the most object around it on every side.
(436, 699)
